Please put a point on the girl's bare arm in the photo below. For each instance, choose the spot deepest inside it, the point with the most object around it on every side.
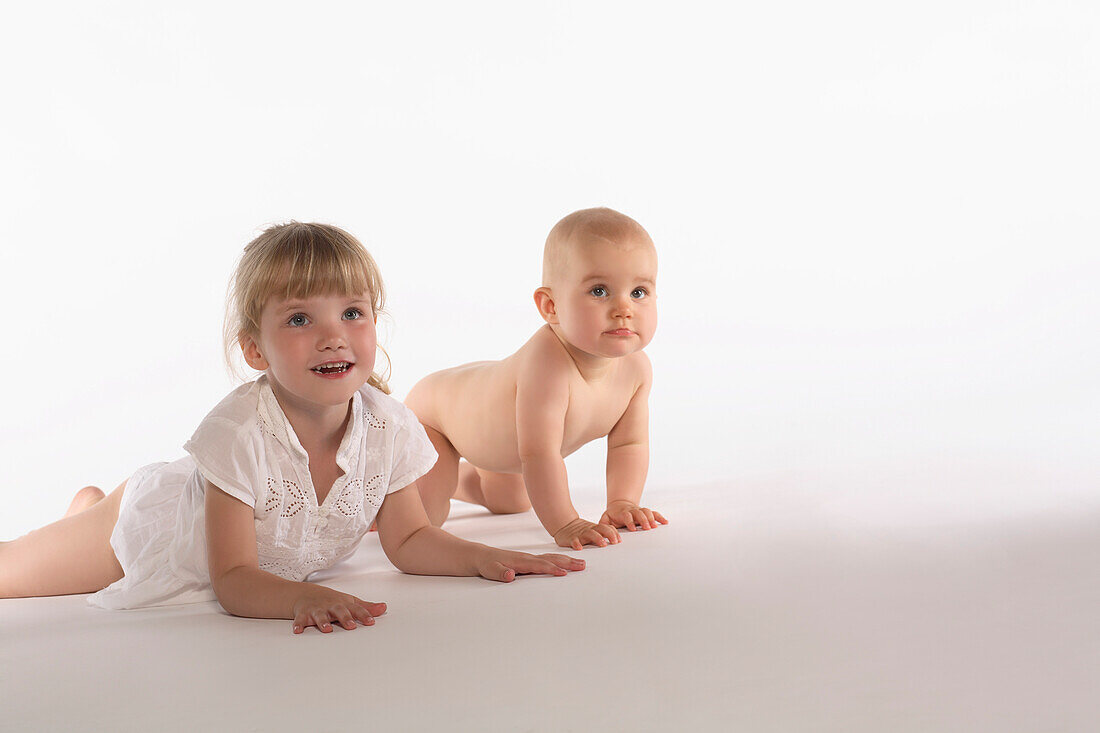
(416, 547)
(245, 590)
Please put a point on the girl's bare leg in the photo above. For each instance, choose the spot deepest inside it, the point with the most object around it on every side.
(84, 498)
(438, 485)
(500, 493)
(72, 555)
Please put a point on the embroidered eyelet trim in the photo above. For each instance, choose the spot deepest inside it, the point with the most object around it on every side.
(274, 496)
(283, 570)
(351, 498)
(277, 497)
(373, 420)
(374, 492)
(267, 426)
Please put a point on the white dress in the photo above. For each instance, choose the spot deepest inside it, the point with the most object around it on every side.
(248, 449)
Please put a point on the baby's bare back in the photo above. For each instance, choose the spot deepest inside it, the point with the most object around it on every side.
(474, 405)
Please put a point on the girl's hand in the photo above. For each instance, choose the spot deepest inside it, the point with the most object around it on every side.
(504, 565)
(627, 514)
(581, 532)
(320, 606)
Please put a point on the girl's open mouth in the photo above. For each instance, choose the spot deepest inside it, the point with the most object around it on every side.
(333, 367)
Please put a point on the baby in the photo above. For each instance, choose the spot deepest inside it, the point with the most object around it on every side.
(582, 376)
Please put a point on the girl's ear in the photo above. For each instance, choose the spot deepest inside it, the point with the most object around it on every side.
(544, 301)
(252, 355)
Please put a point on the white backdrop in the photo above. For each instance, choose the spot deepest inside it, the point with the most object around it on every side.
(877, 224)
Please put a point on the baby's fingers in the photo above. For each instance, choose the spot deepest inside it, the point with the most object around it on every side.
(644, 518)
(600, 535)
(624, 520)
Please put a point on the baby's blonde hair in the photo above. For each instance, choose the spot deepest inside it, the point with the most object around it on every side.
(600, 223)
(299, 260)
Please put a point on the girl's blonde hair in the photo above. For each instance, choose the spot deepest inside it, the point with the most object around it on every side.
(297, 260)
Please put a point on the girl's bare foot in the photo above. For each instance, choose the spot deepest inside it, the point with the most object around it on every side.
(84, 498)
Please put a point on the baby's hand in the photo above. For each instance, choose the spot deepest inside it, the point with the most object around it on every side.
(627, 514)
(581, 532)
(320, 606)
(505, 565)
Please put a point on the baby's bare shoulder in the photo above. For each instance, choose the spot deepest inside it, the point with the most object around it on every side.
(638, 369)
(543, 351)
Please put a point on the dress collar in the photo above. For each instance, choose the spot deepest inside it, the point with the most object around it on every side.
(275, 423)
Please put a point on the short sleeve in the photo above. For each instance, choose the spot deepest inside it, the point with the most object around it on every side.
(413, 453)
(226, 455)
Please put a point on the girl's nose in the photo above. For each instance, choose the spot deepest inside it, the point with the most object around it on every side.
(332, 338)
(620, 308)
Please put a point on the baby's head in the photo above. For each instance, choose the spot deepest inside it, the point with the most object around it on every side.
(299, 261)
(599, 283)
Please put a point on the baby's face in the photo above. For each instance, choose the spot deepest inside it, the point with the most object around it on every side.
(606, 296)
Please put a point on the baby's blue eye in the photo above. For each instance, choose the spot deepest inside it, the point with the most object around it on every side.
(297, 319)
(638, 293)
(599, 291)
(352, 314)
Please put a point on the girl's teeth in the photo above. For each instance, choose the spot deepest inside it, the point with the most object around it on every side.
(334, 367)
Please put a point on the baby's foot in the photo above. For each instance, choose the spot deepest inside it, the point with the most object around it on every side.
(84, 498)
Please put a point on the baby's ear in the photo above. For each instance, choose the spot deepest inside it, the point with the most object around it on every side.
(252, 355)
(544, 301)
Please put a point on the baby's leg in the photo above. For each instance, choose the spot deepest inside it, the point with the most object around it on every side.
(500, 493)
(72, 555)
(438, 485)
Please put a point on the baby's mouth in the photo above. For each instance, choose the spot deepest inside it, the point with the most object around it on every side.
(333, 367)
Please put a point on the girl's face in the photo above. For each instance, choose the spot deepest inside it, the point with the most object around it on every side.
(316, 351)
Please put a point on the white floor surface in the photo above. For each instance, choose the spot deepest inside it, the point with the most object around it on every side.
(755, 609)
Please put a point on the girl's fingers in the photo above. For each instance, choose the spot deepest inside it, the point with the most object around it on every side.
(498, 571)
(322, 621)
(627, 521)
(359, 610)
(643, 519)
(564, 561)
(660, 519)
(532, 565)
(344, 617)
(372, 608)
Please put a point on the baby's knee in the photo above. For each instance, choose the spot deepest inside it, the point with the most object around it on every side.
(508, 503)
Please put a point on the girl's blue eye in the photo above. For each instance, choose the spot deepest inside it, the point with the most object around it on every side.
(599, 291)
(638, 293)
(352, 314)
(297, 320)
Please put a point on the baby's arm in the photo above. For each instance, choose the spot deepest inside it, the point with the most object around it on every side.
(542, 399)
(416, 547)
(245, 590)
(628, 462)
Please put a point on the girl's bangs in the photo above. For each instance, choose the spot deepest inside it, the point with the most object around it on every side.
(305, 277)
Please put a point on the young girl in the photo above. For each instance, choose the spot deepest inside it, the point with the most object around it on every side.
(284, 476)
